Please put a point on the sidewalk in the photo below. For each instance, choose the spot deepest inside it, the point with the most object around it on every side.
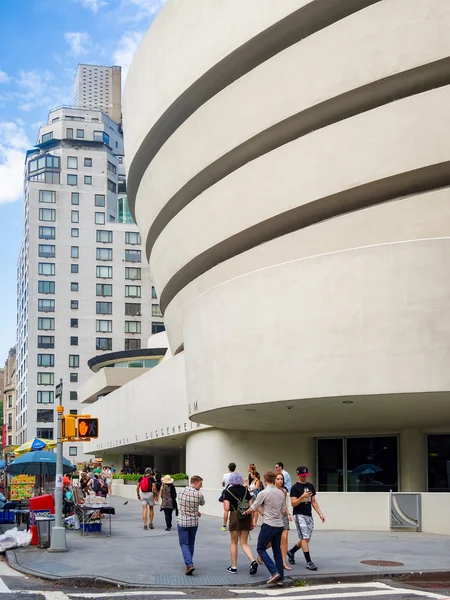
(134, 557)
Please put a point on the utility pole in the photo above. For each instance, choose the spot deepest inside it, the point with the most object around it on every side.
(58, 539)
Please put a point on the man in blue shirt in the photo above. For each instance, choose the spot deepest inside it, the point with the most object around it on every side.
(279, 468)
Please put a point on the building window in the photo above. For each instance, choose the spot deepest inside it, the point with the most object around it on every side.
(47, 196)
(112, 168)
(99, 218)
(80, 134)
(46, 305)
(157, 327)
(88, 162)
(120, 160)
(99, 200)
(74, 322)
(46, 323)
(45, 433)
(133, 255)
(133, 291)
(132, 344)
(133, 273)
(359, 464)
(46, 250)
(75, 198)
(73, 450)
(72, 180)
(104, 272)
(72, 162)
(103, 308)
(112, 186)
(74, 361)
(46, 341)
(74, 268)
(104, 289)
(69, 133)
(47, 214)
(45, 360)
(45, 378)
(439, 463)
(46, 268)
(104, 254)
(87, 180)
(74, 252)
(74, 341)
(44, 415)
(132, 237)
(74, 378)
(75, 216)
(103, 326)
(74, 304)
(156, 311)
(154, 296)
(132, 327)
(102, 343)
(132, 309)
(75, 232)
(46, 287)
(47, 233)
(47, 136)
(74, 287)
(105, 237)
(98, 136)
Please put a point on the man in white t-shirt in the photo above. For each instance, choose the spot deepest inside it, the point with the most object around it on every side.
(225, 484)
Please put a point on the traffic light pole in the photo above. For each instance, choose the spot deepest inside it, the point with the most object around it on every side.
(58, 538)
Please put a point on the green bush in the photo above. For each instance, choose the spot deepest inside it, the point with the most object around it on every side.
(137, 476)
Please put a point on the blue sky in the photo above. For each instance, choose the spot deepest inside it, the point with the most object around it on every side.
(41, 44)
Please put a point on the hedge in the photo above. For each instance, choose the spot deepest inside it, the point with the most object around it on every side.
(136, 476)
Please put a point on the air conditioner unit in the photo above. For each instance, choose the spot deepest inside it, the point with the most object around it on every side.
(138, 314)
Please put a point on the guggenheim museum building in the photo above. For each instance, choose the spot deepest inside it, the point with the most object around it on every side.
(289, 170)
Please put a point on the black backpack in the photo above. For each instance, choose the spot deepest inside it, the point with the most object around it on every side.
(242, 505)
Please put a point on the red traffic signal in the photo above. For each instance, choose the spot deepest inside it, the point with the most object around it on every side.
(87, 428)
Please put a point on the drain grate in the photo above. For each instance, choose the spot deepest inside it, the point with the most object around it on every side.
(382, 563)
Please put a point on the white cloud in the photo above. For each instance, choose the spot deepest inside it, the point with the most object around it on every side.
(36, 89)
(93, 5)
(150, 7)
(4, 77)
(79, 42)
(13, 145)
(126, 49)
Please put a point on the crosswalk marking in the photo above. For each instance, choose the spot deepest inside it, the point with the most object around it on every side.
(124, 593)
(4, 589)
(326, 586)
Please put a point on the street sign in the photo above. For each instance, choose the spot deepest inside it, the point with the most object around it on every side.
(59, 390)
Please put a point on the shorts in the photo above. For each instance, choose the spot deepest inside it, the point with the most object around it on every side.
(305, 526)
(147, 499)
(236, 524)
(286, 522)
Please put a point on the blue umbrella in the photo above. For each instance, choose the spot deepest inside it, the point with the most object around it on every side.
(40, 462)
(2, 465)
(367, 469)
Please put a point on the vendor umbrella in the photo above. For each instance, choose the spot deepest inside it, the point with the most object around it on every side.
(40, 462)
(35, 444)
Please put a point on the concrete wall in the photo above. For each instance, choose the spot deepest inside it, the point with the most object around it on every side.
(435, 513)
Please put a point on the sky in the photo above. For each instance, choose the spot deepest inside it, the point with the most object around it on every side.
(41, 44)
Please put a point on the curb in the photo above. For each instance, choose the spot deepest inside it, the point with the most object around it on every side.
(105, 582)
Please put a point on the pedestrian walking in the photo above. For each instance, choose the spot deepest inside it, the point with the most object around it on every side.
(273, 504)
(279, 468)
(303, 499)
(107, 475)
(147, 494)
(279, 483)
(255, 487)
(189, 502)
(237, 500)
(168, 495)
(225, 483)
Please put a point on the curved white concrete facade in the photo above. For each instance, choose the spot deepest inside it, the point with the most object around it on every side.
(291, 181)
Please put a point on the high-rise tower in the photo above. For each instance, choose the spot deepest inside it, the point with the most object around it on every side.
(96, 86)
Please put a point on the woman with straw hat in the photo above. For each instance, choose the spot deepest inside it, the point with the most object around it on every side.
(168, 495)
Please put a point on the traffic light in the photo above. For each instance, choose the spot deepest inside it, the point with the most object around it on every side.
(87, 428)
(68, 427)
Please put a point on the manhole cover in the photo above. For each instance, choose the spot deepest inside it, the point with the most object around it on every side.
(382, 563)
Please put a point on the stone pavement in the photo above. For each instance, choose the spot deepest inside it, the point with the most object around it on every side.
(132, 556)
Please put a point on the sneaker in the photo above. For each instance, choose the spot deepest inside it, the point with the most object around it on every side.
(253, 567)
(223, 528)
(151, 526)
(274, 578)
(232, 570)
(291, 557)
(280, 583)
(145, 527)
(167, 529)
(190, 570)
(311, 566)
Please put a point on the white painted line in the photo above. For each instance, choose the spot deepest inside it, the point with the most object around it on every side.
(390, 591)
(124, 593)
(4, 589)
(307, 588)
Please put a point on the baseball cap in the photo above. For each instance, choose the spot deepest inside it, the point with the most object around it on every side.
(303, 471)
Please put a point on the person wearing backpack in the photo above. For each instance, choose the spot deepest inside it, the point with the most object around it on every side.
(237, 500)
(147, 494)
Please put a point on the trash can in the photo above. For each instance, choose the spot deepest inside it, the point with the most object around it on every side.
(44, 530)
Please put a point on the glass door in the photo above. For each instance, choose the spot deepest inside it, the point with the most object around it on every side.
(330, 458)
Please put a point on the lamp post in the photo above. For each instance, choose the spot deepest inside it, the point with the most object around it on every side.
(58, 538)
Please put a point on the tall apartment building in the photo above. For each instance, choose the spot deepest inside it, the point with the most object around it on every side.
(9, 399)
(96, 86)
(83, 283)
